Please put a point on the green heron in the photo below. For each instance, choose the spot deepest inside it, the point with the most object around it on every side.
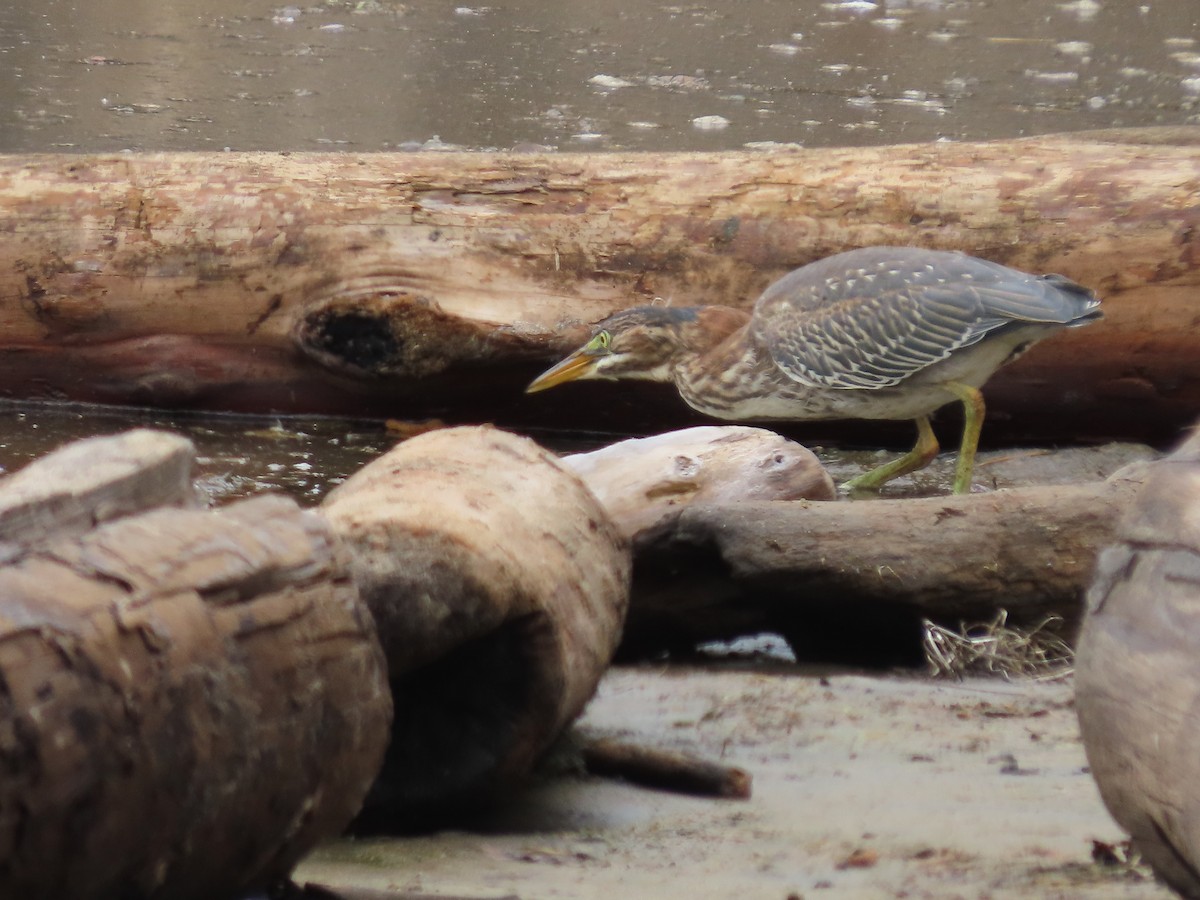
(876, 333)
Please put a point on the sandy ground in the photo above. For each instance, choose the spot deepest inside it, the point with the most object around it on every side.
(864, 786)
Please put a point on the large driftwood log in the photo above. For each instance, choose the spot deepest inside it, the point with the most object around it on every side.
(857, 577)
(191, 699)
(413, 284)
(1138, 671)
(499, 587)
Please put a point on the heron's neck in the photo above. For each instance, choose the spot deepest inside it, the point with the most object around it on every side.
(712, 327)
(710, 356)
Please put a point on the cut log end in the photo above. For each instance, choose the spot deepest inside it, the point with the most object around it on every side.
(499, 586)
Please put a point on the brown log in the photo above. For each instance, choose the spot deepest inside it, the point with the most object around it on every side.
(857, 577)
(665, 769)
(644, 484)
(313, 891)
(499, 587)
(1138, 671)
(192, 699)
(433, 284)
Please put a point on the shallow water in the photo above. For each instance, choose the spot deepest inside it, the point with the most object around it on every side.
(237, 456)
(378, 74)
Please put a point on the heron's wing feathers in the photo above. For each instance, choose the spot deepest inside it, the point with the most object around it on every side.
(872, 329)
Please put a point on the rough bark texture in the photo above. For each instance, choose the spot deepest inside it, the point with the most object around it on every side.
(856, 577)
(645, 484)
(93, 481)
(1138, 671)
(189, 699)
(499, 587)
(437, 284)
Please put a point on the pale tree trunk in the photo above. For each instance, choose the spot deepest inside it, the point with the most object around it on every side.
(418, 284)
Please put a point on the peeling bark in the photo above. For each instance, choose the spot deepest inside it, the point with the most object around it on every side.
(189, 699)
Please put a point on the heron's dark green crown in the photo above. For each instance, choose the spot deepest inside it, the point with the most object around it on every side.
(651, 337)
(657, 319)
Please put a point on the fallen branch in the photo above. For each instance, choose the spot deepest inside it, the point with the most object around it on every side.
(861, 575)
(665, 769)
(645, 484)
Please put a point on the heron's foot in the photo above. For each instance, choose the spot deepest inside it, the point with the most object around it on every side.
(918, 457)
(870, 482)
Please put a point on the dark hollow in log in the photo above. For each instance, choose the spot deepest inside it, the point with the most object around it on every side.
(191, 699)
(1137, 681)
(851, 581)
(499, 587)
(436, 285)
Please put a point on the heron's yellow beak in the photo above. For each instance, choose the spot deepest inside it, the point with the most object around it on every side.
(578, 365)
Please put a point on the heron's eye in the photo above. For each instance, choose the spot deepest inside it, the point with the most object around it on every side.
(599, 342)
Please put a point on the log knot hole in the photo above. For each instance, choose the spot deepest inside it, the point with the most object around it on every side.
(376, 329)
(379, 331)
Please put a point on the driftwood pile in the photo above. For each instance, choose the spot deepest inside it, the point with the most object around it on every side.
(193, 698)
(190, 699)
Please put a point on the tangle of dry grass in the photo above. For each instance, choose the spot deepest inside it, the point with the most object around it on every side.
(995, 648)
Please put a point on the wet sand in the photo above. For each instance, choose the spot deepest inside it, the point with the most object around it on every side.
(865, 786)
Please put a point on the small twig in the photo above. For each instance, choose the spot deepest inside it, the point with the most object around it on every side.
(666, 769)
(312, 891)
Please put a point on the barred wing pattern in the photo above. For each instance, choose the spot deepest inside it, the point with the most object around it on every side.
(874, 317)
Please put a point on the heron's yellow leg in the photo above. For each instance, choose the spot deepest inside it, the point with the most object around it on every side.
(973, 412)
(918, 457)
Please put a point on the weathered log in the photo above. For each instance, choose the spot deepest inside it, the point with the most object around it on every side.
(645, 483)
(437, 284)
(668, 770)
(192, 699)
(93, 481)
(857, 577)
(1137, 681)
(499, 587)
